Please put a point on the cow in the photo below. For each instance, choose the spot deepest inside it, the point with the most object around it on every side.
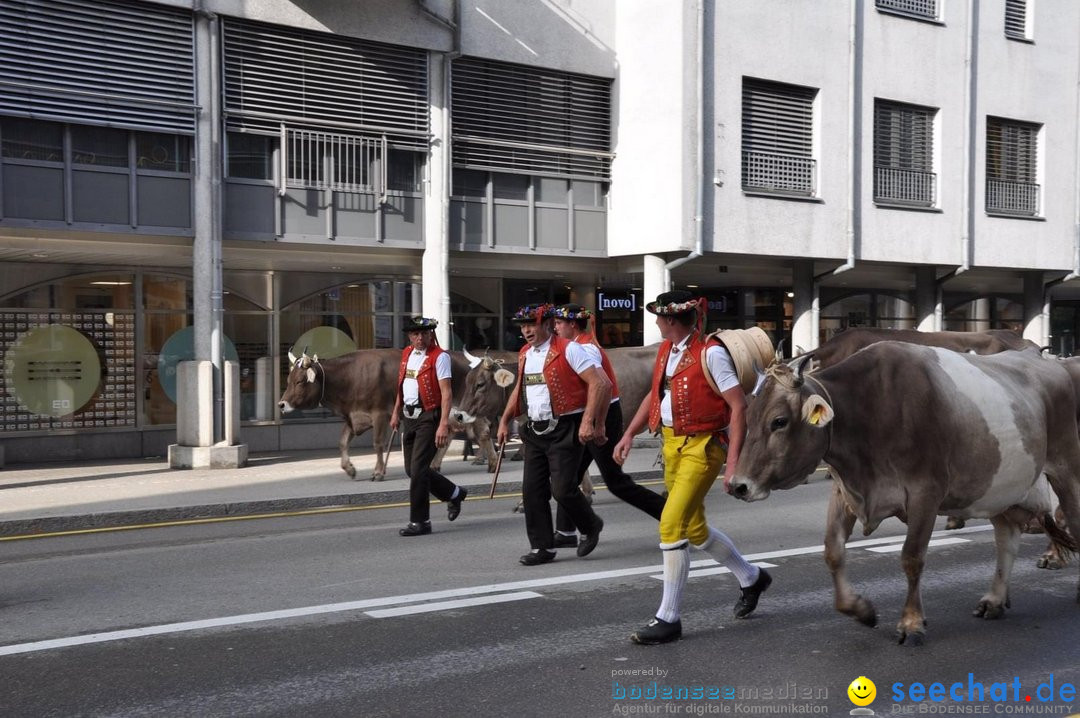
(849, 341)
(914, 432)
(360, 387)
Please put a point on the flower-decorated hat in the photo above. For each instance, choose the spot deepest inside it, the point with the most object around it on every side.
(419, 324)
(677, 301)
(532, 314)
(571, 312)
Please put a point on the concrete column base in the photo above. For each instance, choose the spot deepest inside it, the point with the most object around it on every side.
(207, 457)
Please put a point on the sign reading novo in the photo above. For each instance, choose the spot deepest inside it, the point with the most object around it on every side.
(624, 302)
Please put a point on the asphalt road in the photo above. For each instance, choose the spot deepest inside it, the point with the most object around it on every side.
(335, 615)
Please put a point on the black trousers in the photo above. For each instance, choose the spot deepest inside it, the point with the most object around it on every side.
(551, 465)
(618, 481)
(418, 444)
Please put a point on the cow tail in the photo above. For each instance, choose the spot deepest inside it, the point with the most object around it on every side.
(1062, 539)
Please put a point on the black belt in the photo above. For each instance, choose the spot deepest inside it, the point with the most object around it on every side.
(413, 411)
(544, 426)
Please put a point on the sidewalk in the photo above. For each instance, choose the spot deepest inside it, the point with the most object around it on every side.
(67, 496)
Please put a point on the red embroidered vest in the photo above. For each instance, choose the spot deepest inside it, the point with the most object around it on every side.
(426, 379)
(695, 407)
(567, 390)
(605, 363)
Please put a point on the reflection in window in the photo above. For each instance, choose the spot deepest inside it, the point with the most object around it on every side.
(102, 146)
(470, 183)
(404, 171)
(93, 291)
(251, 156)
(31, 140)
(163, 152)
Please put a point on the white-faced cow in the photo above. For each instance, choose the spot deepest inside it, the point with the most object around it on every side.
(915, 432)
(359, 387)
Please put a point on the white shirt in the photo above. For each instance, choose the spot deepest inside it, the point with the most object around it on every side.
(594, 351)
(410, 389)
(720, 366)
(537, 397)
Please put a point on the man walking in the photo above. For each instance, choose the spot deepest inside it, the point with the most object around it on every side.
(422, 409)
(698, 403)
(565, 396)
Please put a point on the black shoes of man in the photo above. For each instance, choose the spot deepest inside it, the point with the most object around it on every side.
(588, 541)
(535, 558)
(564, 541)
(453, 506)
(415, 528)
(750, 595)
(657, 631)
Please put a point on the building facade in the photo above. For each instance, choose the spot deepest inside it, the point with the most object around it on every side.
(194, 178)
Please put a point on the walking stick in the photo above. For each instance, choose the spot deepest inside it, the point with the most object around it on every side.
(498, 466)
(390, 445)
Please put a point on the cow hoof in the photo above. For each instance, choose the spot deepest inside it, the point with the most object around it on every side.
(1052, 562)
(1043, 562)
(912, 638)
(350, 470)
(954, 523)
(377, 477)
(989, 610)
(491, 469)
(520, 508)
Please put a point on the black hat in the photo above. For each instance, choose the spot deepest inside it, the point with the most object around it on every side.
(419, 324)
(677, 301)
(532, 313)
(571, 311)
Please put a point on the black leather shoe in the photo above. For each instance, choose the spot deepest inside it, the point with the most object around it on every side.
(535, 558)
(564, 541)
(750, 595)
(588, 541)
(657, 631)
(416, 529)
(453, 506)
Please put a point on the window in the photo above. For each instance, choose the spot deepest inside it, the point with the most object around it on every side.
(251, 156)
(162, 152)
(1012, 167)
(904, 154)
(31, 140)
(100, 146)
(777, 138)
(1016, 20)
(915, 8)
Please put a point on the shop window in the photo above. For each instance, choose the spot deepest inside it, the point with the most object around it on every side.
(985, 313)
(31, 140)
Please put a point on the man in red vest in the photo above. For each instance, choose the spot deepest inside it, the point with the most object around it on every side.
(698, 403)
(572, 323)
(422, 408)
(565, 397)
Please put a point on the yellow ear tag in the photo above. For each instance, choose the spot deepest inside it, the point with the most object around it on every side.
(815, 414)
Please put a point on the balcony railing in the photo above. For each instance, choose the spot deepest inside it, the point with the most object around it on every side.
(1015, 198)
(912, 188)
(779, 174)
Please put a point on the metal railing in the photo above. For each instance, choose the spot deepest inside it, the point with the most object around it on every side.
(903, 186)
(312, 159)
(1017, 198)
(781, 174)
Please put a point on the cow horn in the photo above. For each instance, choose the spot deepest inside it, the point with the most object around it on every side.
(292, 358)
(473, 361)
(797, 367)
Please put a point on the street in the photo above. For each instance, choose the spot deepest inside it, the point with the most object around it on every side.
(334, 614)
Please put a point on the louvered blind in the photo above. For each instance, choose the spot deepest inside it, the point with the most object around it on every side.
(1016, 19)
(903, 136)
(530, 120)
(1012, 167)
(276, 75)
(93, 62)
(777, 118)
(917, 8)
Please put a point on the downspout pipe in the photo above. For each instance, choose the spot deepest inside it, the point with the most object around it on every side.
(444, 226)
(699, 160)
(967, 178)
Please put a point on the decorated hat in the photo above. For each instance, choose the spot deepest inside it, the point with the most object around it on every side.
(420, 324)
(677, 301)
(751, 350)
(571, 312)
(532, 313)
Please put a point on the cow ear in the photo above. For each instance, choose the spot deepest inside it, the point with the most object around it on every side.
(504, 378)
(311, 375)
(314, 358)
(816, 411)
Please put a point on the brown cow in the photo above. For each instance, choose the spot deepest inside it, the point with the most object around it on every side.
(851, 340)
(360, 387)
(914, 432)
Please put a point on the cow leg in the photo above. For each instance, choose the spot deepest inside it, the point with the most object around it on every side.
(440, 454)
(1007, 541)
(921, 516)
(1066, 485)
(1053, 558)
(380, 424)
(839, 524)
(347, 435)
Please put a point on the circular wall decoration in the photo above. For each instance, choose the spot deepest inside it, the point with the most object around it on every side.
(181, 347)
(326, 342)
(54, 370)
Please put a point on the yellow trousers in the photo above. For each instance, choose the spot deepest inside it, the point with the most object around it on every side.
(691, 465)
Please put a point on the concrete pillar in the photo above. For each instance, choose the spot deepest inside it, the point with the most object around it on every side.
(804, 329)
(926, 300)
(979, 316)
(195, 447)
(435, 265)
(264, 389)
(1036, 326)
(654, 284)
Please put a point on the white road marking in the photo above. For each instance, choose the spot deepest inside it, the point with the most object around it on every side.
(225, 621)
(897, 547)
(715, 570)
(447, 605)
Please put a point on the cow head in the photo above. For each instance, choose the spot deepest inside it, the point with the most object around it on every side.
(304, 387)
(787, 433)
(485, 389)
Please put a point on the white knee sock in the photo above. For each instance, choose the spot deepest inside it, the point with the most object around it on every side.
(721, 548)
(676, 571)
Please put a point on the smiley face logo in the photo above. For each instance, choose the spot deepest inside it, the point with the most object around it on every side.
(862, 691)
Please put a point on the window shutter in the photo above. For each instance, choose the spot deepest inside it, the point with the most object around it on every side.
(118, 64)
(1012, 167)
(915, 8)
(530, 120)
(777, 137)
(904, 153)
(1016, 19)
(276, 75)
